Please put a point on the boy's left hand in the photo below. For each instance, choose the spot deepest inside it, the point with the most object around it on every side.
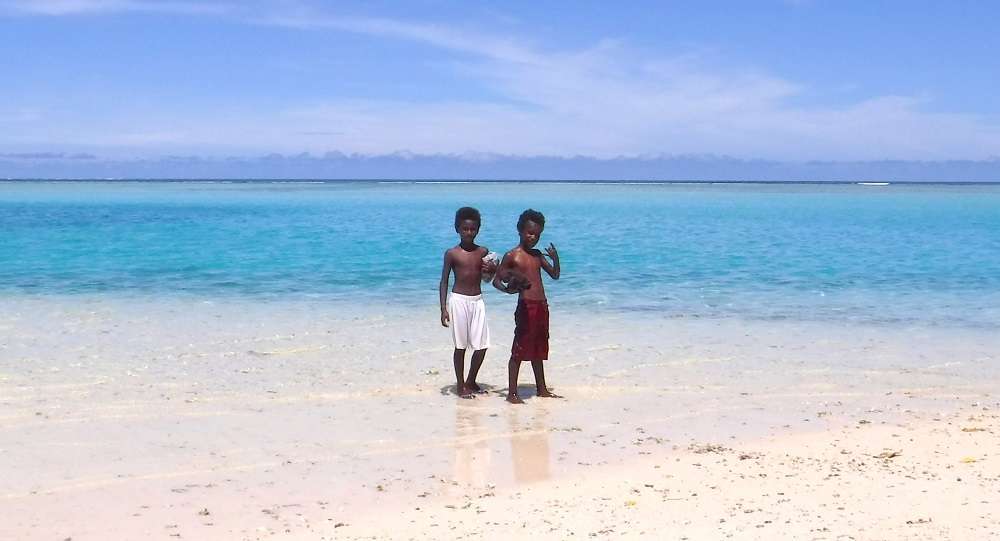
(489, 267)
(551, 250)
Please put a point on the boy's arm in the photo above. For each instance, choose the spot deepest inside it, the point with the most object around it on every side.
(443, 287)
(503, 271)
(552, 269)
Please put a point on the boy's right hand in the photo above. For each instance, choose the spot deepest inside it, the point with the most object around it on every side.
(444, 318)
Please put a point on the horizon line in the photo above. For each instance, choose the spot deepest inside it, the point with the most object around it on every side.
(431, 180)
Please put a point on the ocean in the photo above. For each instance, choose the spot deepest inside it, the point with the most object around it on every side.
(926, 255)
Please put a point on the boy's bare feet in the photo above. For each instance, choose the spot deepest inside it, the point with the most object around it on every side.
(474, 387)
(545, 393)
(514, 399)
(463, 392)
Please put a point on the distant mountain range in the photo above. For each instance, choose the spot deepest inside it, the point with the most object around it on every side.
(335, 165)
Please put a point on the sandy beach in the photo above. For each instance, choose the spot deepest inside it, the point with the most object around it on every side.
(165, 419)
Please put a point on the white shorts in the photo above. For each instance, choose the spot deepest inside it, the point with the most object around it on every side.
(468, 321)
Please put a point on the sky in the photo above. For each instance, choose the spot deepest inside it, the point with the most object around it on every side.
(121, 81)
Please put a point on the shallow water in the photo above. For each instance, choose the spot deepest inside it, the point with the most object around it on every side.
(899, 254)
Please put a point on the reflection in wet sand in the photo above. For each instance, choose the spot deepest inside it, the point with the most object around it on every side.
(472, 450)
(477, 431)
(529, 444)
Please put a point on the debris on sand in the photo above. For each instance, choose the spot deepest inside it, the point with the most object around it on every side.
(889, 453)
(707, 448)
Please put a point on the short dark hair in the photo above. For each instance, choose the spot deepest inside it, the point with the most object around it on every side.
(467, 213)
(531, 215)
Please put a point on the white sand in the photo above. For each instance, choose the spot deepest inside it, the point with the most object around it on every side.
(166, 419)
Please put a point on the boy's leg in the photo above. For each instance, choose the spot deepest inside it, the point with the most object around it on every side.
(477, 361)
(459, 359)
(513, 367)
(538, 367)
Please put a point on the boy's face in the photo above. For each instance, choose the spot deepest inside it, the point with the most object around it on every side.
(530, 233)
(467, 230)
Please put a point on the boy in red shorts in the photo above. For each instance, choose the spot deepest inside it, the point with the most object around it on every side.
(520, 272)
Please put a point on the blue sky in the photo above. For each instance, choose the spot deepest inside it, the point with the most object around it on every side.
(769, 79)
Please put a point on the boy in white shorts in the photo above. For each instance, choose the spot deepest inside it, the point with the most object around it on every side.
(464, 308)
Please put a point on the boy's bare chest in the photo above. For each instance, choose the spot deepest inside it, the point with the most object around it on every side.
(526, 262)
(468, 261)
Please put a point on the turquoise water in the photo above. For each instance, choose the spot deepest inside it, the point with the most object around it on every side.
(894, 254)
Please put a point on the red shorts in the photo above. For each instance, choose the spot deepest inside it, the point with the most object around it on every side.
(531, 331)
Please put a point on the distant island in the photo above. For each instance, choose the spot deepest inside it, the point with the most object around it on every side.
(404, 165)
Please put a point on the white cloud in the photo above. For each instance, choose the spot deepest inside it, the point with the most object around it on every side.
(609, 100)
(605, 100)
(81, 7)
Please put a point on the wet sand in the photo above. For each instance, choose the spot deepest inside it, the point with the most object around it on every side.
(921, 477)
(233, 420)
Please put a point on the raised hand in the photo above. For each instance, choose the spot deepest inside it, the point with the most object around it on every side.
(551, 250)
